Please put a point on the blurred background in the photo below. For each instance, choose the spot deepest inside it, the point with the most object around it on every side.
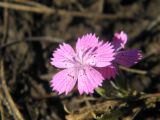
(31, 29)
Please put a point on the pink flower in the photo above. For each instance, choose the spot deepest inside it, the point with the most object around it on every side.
(126, 58)
(80, 65)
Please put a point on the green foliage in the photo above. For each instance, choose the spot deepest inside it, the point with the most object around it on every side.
(101, 91)
(112, 115)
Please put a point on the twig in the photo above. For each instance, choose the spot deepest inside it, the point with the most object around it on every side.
(150, 95)
(142, 72)
(13, 6)
(29, 2)
(66, 109)
(34, 39)
(1, 106)
(4, 39)
(50, 11)
(85, 113)
(16, 113)
(100, 6)
(90, 106)
(142, 34)
(6, 25)
(153, 24)
(138, 110)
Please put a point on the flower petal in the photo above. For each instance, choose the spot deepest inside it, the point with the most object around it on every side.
(63, 57)
(86, 41)
(88, 80)
(119, 40)
(108, 72)
(64, 81)
(129, 57)
(102, 56)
